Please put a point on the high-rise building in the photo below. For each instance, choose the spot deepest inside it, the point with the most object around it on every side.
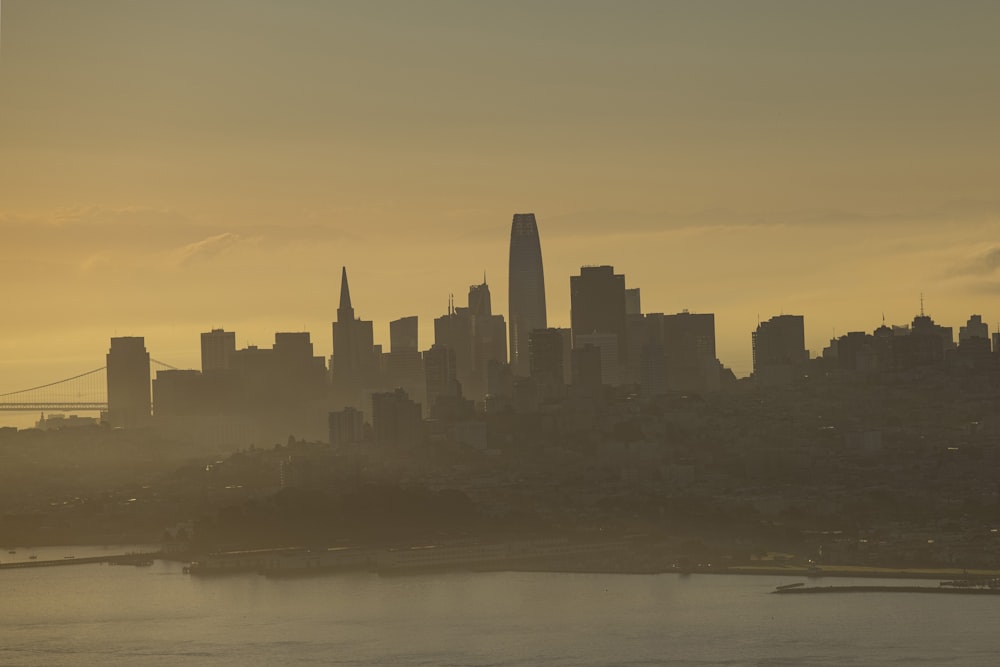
(403, 335)
(550, 356)
(597, 303)
(633, 301)
(129, 397)
(587, 367)
(347, 426)
(279, 378)
(439, 371)
(353, 367)
(926, 343)
(396, 420)
(217, 347)
(974, 328)
(403, 366)
(477, 336)
(526, 289)
(779, 347)
(607, 344)
(689, 351)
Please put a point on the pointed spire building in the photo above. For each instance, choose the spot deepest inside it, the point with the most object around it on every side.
(354, 365)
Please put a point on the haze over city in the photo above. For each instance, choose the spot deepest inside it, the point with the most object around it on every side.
(450, 332)
(169, 167)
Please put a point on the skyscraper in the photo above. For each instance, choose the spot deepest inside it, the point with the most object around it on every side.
(404, 366)
(526, 289)
(217, 347)
(779, 348)
(353, 363)
(129, 398)
(477, 336)
(403, 335)
(597, 304)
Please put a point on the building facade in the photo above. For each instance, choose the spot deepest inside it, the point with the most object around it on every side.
(526, 289)
(129, 388)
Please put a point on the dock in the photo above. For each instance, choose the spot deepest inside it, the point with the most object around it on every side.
(146, 558)
(886, 589)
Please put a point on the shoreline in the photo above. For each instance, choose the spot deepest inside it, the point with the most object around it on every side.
(602, 560)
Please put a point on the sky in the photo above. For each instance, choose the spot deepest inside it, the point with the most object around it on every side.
(171, 167)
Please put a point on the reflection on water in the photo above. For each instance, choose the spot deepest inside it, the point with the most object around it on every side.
(157, 615)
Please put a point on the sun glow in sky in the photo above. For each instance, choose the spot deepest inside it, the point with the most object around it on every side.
(169, 167)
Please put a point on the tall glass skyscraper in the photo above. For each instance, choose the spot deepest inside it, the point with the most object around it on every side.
(526, 290)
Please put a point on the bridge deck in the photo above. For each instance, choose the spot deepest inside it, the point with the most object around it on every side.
(45, 406)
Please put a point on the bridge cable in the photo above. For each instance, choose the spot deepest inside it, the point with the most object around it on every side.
(52, 384)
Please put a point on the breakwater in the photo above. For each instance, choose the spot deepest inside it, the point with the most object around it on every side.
(886, 589)
(145, 558)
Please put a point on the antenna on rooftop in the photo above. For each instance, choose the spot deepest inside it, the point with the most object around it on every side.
(921, 304)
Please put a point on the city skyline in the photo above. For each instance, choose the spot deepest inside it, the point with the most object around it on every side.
(773, 157)
(345, 312)
(495, 321)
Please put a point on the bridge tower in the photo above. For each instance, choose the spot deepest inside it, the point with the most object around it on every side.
(129, 399)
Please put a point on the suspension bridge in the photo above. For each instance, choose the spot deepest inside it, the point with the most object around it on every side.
(85, 392)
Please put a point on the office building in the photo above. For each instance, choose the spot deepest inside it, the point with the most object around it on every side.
(974, 328)
(353, 367)
(689, 352)
(129, 389)
(347, 426)
(477, 337)
(217, 347)
(607, 345)
(526, 289)
(403, 335)
(779, 349)
(396, 420)
(597, 303)
(550, 360)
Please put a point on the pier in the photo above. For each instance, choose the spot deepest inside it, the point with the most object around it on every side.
(145, 558)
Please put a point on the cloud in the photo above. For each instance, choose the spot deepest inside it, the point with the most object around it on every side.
(982, 265)
(95, 261)
(206, 249)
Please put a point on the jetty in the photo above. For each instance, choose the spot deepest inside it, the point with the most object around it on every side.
(141, 558)
(946, 590)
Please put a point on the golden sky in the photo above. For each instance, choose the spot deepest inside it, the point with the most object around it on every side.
(169, 167)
